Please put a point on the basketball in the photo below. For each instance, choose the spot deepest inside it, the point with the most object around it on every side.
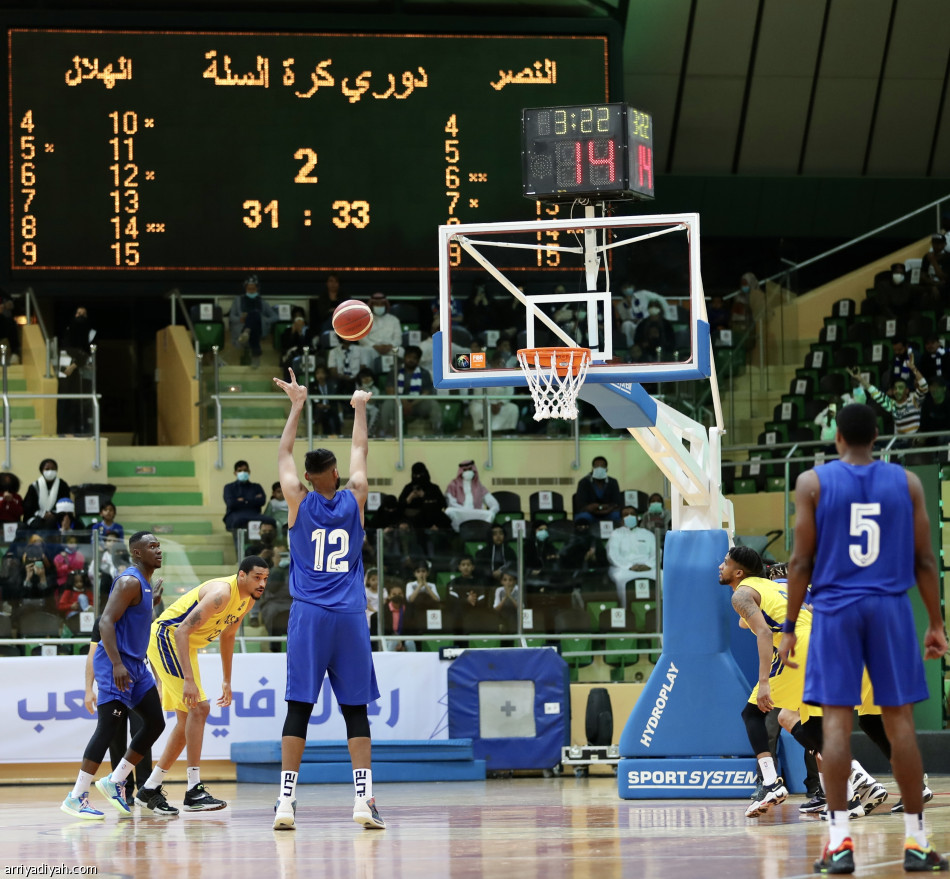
(352, 320)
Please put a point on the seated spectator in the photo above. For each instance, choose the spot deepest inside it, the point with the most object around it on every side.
(900, 365)
(75, 599)
(507, 596)
(11, 504)
(419, 591)
(371, 584)
(68, 561)
(108, 566)
(323, 305)
(9, 331)
(421, 501)
(719, 314)
(75, 372)
(894, 290)
(426, 360)
(540, 559)
(631, 552)
(394, 620)
(631, 308)
(276, 508)
(243, 499)
(366, 380)
(467, 498)
(465, 582)
(250, 319)
(935, 412)
(66, 518)
(598, 495)
(39, 583)
(503, 413)
(12, 574)
(107, 523)
(294, 341)
(265, 543)
(344, 363)
(583, 552)
(386, 335)
(478, 310)
(414, 386)
(934, 360)
(327, 415)
(39, 505)
(401, 547)
(654, 339)
(275, 603)
(491, 560)
(657, 518)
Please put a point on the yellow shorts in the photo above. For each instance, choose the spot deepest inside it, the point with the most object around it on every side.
(787, 684)
(867, 705)
(167, 667)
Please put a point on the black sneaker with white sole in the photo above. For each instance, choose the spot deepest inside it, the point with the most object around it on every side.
(772, 795)
(816, 804)
(928, 796)
(197, 799)
(153, 798)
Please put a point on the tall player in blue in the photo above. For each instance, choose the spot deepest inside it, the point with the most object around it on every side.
(862, 537)
(327, 631)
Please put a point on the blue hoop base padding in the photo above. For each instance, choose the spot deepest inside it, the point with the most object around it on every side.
(390, 751)
(551, 678)
(342, 773)
(686, 778)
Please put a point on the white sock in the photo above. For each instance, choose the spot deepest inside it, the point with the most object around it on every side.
(839, 827)
(122, 771)
(157, 778)
(767, 765)
(363, 782)
(288, 785)
(83, 783)
(914, 826)
(194, 776)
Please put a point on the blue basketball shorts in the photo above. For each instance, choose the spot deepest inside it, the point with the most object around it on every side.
(139, 674)
(326, 642)
(876, 631)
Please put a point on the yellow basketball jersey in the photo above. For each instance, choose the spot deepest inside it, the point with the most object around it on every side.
(773, 599)
(211, 628)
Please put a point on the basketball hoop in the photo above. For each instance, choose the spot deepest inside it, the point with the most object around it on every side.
(554, 377)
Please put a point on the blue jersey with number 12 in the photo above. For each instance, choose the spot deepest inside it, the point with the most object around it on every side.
(326, 553)
(865, 529)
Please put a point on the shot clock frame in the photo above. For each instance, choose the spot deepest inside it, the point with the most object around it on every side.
(600, 151)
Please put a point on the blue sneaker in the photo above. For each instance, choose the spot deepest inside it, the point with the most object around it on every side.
(114, 792)
(79, 807)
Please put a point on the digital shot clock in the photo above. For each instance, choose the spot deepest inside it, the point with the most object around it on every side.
(600, 151)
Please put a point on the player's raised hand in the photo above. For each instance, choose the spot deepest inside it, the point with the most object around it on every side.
(360, 397)
(297, 393)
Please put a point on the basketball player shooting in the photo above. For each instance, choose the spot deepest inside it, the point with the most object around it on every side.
(327, 631)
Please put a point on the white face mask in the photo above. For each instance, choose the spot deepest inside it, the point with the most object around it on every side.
(49, 475)
(630, 521)
(379, 310)
(653, 311)
(468, 475)
(599, 473)
(897, 279)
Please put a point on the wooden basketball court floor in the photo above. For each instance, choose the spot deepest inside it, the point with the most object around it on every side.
(520, 828)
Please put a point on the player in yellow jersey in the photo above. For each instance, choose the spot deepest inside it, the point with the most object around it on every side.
(210, 611)
(761, 605)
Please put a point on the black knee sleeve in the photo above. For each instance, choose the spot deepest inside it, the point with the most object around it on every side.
(112, 717)
(357, 721)
(150, 713)
(298, 716)
(813, 730)
(873, 727)
(755, 728)
(805, 735)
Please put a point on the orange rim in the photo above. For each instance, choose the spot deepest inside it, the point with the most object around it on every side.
(565, 359)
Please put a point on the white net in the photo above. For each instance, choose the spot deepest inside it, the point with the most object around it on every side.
(554, 377)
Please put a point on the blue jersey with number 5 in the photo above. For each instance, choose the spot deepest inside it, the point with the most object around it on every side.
(326, 553)
(865, 531)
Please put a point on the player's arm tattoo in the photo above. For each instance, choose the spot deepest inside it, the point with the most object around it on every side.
(218, 601)
(193, 620)
(743, 603)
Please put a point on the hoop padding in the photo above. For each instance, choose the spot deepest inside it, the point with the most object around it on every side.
(554, 376)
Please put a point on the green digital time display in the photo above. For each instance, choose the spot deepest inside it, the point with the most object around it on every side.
(599, 151)
(147, 150)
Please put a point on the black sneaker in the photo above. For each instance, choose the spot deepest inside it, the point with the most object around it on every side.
(923, 860)
(816, 804)
(928, 796)
(855, 809)
(841, 860)
(772, 795)
(197, 799)
(154, 798)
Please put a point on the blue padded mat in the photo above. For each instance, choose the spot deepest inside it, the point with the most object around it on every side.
(342, 773)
